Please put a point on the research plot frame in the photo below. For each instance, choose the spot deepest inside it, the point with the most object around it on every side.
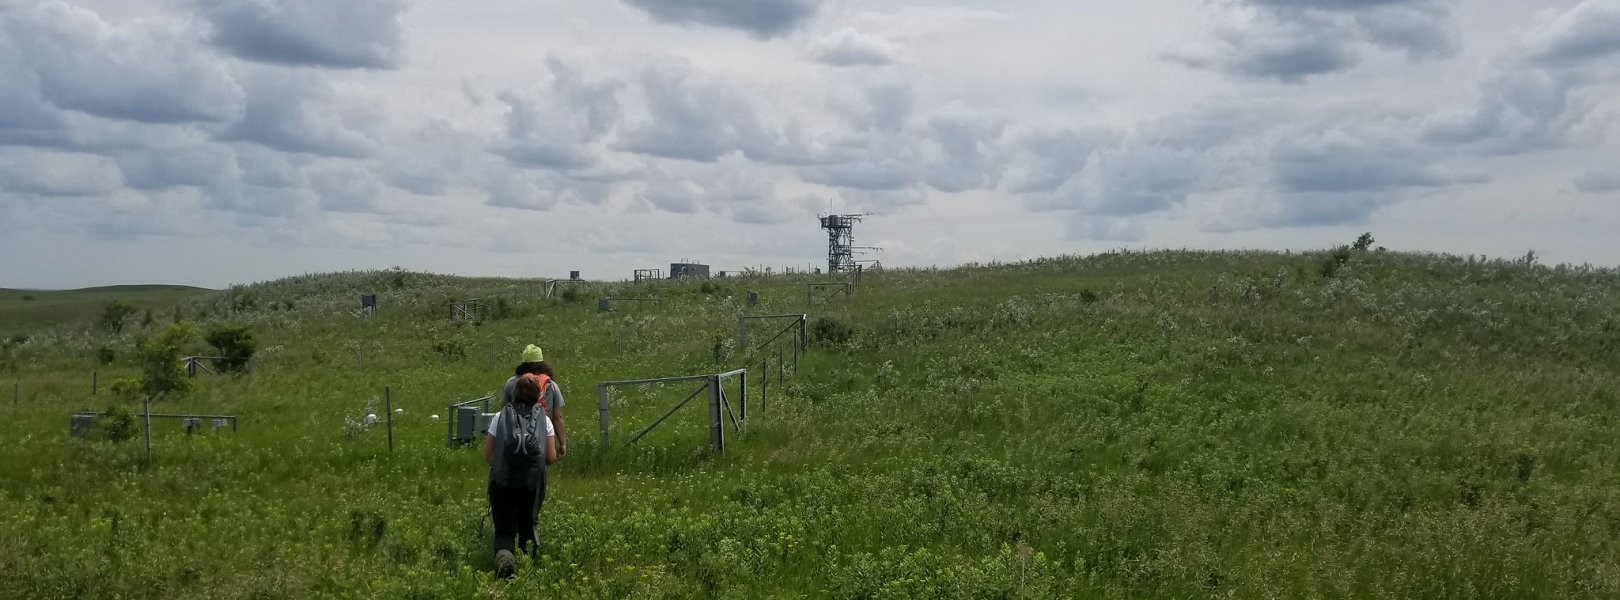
(711, 387)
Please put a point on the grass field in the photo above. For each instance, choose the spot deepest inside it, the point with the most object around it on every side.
(1163, 424)
(26, 311)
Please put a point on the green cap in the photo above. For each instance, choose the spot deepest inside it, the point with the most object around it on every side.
(532, 354)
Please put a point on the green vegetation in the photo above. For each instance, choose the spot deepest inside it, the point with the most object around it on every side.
(24, 311)
(1165, 424)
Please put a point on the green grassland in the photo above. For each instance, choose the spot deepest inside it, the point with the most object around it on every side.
(1162, 424)
(26, 311)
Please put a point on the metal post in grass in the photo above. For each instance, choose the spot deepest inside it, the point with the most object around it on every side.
(717, 430)
(94, 375)
(388, 405)
(742, 334)
(602, 412)
(146, 406)
(764, 381)
(742, 392)
(804, 333)
(13, 394)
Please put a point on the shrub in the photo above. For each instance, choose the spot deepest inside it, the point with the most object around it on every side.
(570, 295)
(450, 349)
(1088, 297)
(117, 424)
(159, 360)
(235, 344)
(1330, 264)
(105, 355)
(829, 330)
(113, 314)
(1363, 243)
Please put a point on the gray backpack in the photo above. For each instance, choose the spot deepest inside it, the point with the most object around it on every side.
(520, 451)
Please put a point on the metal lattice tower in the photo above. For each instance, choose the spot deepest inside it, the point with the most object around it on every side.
(840, 241)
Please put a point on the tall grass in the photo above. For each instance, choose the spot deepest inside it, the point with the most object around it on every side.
(1162, 424)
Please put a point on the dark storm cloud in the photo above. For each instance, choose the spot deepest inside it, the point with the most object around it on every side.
(760, 18)
(149, 71)
(326, 33)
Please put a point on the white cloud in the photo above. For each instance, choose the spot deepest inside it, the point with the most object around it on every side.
(848, 47)
(417, 128)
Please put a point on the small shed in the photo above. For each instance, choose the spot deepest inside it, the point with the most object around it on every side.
(688, 270)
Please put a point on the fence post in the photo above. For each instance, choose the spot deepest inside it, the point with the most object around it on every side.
(742, 387)
(764, 381)
(717, 429)
(94, 376)
(742, 335)
(602, 412)
(804, 333)
(388, 405)
(146, 406)
(449, 424)
(14, 394)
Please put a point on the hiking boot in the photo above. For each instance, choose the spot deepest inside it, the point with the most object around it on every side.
(504, 563)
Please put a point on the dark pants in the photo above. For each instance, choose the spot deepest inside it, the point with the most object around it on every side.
(515, 513)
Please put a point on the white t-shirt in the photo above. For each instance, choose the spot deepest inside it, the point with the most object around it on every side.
(550, 431)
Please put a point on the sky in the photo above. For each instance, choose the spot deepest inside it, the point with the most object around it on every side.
(216, 142)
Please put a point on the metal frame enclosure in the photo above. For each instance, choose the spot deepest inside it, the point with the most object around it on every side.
(713, 388)
(450, 417)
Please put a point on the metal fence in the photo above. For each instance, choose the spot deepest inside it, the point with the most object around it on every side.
(712, 387)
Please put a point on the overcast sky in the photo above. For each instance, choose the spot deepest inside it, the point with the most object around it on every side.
(211, 142)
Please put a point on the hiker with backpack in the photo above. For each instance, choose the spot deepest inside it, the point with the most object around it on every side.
(533, 363)
(521, 442)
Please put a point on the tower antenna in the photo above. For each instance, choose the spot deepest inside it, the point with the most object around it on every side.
(841, 241)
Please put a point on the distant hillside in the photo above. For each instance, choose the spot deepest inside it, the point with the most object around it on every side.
(25, 311)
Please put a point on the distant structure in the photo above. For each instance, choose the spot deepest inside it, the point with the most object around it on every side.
(841, 246)
(688, 269)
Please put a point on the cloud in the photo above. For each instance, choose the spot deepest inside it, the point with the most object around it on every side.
(1104, 229)
(848, 47)
(690, 116)
(558, 125)
(542, 190)
(345, 34)
(347, 188)
(1340, 162)
(965, 153)
(1290, 41)
(760, 18)
(194, 164)
(1598, 182)
(146, 70)
(55, 173)
(1589, 31)
(1047, 159)
(298, 111)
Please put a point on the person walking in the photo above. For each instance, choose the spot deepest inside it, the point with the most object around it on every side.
(533, 362)
(521, 442)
